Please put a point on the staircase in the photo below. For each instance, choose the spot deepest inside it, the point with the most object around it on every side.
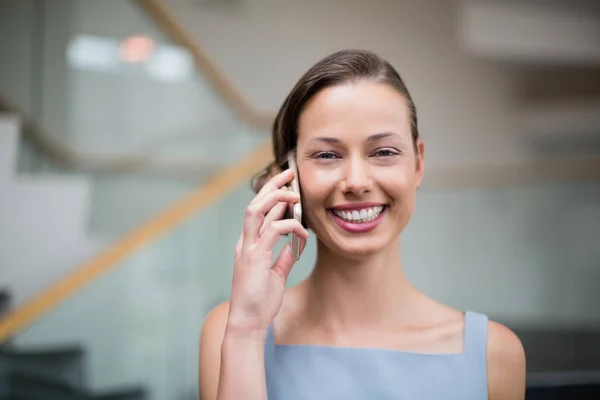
(33, 254)
(53, 373)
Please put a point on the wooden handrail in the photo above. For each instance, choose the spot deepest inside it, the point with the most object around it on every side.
(76, 280)
(238, 103)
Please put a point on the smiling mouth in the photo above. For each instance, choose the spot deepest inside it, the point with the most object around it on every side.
(360, 215)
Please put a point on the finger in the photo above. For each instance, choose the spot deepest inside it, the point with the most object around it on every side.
(282, 227)
(276, 182)
(255, 212)
(275, 214)
(260, 196)
(302, 245)
(284, 262)
(269, 200)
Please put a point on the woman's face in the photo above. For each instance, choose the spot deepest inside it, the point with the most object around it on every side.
(357, 166)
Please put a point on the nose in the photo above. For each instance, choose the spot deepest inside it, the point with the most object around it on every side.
(357, 177)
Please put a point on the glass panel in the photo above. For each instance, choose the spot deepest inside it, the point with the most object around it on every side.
(103, 81)
(100, 79)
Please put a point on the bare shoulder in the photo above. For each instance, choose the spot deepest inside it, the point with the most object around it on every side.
(505, 364)
(213, 329)
(211, 340)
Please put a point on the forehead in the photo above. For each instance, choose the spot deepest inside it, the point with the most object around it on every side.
(353, 111)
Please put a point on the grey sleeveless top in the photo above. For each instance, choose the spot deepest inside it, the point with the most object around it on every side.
(306, 372)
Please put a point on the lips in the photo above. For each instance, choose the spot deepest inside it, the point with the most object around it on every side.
(358, 217)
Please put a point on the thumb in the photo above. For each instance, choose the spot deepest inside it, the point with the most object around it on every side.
(284, 262)
(302, 245)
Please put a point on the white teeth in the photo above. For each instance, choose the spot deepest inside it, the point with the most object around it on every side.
(359, 216)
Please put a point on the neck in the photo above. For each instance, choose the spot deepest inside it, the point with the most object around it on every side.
(345, 293)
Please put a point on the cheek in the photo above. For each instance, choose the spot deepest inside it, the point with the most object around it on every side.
(398, 183)
(322, 184)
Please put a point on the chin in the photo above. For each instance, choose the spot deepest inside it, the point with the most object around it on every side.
(358, 246)
(359, 249)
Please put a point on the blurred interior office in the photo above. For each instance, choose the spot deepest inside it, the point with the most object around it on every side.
(129, 131)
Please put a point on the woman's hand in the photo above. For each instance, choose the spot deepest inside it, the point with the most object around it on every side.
(258, 283)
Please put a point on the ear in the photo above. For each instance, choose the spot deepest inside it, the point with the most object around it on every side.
(420, 162)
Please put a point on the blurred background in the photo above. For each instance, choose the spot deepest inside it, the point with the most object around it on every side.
(129, 130)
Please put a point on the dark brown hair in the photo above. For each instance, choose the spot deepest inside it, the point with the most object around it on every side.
(345, 66)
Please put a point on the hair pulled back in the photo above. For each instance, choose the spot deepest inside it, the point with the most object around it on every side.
(345, 66)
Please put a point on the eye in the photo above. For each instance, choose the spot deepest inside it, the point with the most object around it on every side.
(325, 155)
(386, 153)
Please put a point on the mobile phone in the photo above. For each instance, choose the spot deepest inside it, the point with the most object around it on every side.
(294, 210)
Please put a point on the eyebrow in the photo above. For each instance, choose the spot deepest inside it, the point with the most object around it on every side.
(372, 138)
(379, 136)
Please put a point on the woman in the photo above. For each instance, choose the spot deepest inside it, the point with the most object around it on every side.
(355, 328)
